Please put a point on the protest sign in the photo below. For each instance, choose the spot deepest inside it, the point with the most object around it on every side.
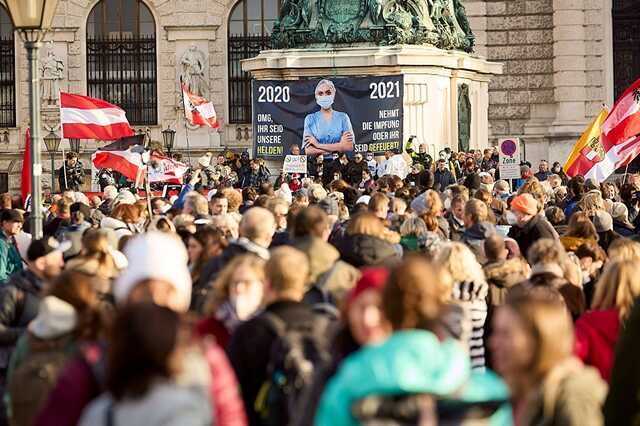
(360, 114)
(295, 164)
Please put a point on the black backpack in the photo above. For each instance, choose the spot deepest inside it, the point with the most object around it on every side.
(298, 350)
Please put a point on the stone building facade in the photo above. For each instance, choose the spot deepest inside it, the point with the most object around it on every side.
(558, 56)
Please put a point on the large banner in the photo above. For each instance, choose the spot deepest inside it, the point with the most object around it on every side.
(323, 116)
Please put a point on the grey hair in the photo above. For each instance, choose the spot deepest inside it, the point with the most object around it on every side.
(328, 83)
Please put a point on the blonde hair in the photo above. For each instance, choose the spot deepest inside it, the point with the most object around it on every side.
(591, 203)
(624, 249)
(618, 287)
(222, 284)
(287, 270)
(546, 320)
(460, 262)
(413, 225)
(366, 223)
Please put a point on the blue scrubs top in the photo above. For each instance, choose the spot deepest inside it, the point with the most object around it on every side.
(326, 131)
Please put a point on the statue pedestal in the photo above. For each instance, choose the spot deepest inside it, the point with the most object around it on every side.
(432, 82)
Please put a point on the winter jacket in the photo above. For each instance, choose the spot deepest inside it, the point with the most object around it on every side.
(19, 303)
(80, 383)
(409, 362)
(456, 229)
(474, 238)
(329, 277)
(10, 260)
(442, 179)
(472, 298)
(596, 338)
(250, 347)
(623, 229)
(166, 403)
(570, 394)
(501, 275)
(536, 228)
(210, 270)
(366, 250)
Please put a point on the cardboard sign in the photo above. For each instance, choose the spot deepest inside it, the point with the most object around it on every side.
(295, 164)
(509, 163)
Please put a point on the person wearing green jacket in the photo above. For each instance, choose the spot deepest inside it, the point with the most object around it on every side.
(417, 360)
(10, 261)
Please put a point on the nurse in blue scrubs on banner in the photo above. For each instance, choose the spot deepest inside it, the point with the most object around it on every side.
(327, 130)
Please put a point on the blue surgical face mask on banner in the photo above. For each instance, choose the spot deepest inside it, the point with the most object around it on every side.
(325, 101)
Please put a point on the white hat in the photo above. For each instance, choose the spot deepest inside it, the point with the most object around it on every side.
(159, 256)
(110, 192)
(364, 199)
(55, 318)
(211, 193)
(124, 197)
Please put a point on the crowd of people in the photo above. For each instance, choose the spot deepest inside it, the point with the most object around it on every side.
(395, 290)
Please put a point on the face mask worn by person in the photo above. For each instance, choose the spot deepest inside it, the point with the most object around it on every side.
(325, 101)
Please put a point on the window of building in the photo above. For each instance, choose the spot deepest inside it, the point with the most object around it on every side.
(250, 25)
(4, 182)
(7, 71)
(626, 44)
(121, 58)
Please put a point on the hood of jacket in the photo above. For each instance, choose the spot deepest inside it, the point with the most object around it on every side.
(479, 231)
(366, 250)
(507, 273)
(322, 255)
(409, 362)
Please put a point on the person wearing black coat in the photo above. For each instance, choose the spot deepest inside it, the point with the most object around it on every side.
(20, 295)
(354, 170)
(442, 177)
(251, 344)
(528, 226)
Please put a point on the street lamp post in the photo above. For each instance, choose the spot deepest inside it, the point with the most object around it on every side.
(74, 144)
(52, 142)
(168, 137)
(32, 18)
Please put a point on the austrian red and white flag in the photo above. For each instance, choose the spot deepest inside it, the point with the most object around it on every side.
(128, 162)
(198, 111)
(83, 117)
(165, 169)
(619, 141)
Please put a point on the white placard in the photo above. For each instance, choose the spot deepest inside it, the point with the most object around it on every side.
(295, 164)
(509, 163)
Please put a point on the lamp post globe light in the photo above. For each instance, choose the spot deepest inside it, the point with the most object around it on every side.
(52, 142)
(168, 137)
(32, 18)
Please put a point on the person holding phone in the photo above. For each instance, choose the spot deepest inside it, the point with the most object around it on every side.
(327, 130)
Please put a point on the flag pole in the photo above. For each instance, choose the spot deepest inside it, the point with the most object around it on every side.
(626, 172)
(186, 136)
(186, 129)
(64, 172)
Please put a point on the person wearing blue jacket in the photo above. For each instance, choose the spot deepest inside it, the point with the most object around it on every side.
(416, 360)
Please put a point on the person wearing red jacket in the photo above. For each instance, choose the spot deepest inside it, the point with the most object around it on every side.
(597, 331)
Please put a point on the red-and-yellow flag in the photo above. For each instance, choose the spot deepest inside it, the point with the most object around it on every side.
(588, 150)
